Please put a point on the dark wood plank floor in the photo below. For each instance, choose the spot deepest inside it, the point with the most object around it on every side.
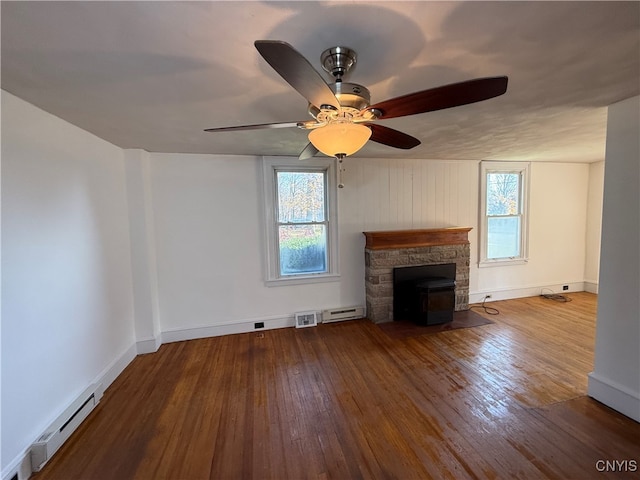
(346, 400)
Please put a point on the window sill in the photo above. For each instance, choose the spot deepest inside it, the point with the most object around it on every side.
(503, 263)
(302, 279)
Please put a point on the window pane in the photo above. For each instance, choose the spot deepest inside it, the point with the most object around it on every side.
(303, 249)
(301, 197)
(503, 194)
(503, 237)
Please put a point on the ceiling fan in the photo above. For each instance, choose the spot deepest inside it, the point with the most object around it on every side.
(343, 118)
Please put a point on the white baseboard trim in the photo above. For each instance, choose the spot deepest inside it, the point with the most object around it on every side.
(591, 287)
(228, 328)
(527, 291)
(614, 395)
(22, 463)
(148, 345)
(115, 368)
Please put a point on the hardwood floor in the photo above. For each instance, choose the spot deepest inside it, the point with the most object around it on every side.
(346, 400)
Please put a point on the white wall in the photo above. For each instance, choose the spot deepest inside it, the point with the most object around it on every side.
(209, 238)
(209, 234)
(557, 229)
(67, 313)
(594, 226)
(615, 379)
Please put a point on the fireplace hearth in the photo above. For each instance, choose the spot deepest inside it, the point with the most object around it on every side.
(388, 250)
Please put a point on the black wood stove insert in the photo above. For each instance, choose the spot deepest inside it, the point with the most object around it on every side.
(424, 294)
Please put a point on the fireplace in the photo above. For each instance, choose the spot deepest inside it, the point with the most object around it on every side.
(388, 250)
(424, 294)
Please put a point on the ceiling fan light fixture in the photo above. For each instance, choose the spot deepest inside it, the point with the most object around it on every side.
(342, 112)
(340, 138)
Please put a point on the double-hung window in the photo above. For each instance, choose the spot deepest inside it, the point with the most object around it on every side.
(301, 226)
(503, 206)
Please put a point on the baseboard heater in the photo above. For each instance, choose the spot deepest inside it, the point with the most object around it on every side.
(61, 429)
(341, 314)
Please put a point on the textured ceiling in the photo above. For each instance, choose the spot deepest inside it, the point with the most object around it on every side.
(153, 75)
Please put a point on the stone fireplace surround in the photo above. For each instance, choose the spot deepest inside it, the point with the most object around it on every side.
(386, 250)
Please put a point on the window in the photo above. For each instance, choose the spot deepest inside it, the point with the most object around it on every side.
(301, 226)
(503, 231)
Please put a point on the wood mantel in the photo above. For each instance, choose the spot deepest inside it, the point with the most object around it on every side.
(385, 240)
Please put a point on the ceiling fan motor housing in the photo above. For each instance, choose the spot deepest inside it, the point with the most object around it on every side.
(350, 96)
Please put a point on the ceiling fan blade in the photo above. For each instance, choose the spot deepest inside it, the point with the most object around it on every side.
(309, 151)
(257, 126)
(297, 71)
(446, 96)
(393, 138)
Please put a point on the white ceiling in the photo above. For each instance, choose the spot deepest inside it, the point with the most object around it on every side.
(153, 75)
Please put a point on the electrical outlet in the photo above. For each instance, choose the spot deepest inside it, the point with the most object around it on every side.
(565, 287)
(258, 325)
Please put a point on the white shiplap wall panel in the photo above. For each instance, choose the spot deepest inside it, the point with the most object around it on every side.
(399, 194)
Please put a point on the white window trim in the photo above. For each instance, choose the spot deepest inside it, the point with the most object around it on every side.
(522, 168)
(272, 273)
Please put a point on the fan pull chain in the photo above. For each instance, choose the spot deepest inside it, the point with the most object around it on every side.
(340, 170)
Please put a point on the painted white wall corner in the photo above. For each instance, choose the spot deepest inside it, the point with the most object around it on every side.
(615, 380)
(143, 248)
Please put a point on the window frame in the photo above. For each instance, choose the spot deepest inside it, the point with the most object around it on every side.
(523, 170)
(270, 167)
